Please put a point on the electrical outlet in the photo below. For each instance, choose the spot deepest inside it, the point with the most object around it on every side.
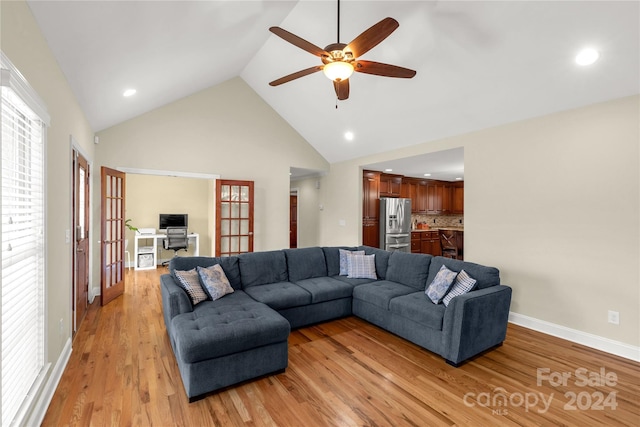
(614, 317)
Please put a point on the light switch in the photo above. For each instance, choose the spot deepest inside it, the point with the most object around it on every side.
(67, 236)
(342, 222)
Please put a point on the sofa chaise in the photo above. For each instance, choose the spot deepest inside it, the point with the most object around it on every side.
(244, 334)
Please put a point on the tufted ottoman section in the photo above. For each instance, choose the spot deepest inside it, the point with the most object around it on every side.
(228, 341)
(227, 329)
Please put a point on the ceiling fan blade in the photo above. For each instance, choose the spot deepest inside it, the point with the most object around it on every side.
(296, 75)
(386, 70)
(342, 89)
(372, 37)
(298, 41)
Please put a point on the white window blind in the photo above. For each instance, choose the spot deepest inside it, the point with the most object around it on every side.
(23, 250)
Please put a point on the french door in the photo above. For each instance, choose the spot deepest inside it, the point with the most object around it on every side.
(234, 217)
(112, 223)
(80, 238)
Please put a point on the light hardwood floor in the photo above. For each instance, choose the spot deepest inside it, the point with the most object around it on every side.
(347, 372)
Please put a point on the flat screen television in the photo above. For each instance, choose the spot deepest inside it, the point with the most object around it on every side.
(173, 220)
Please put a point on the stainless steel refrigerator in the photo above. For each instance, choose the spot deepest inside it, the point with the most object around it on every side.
(395, 224)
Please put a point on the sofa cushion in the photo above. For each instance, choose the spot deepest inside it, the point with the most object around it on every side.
(280, 295)
(440, 285)
(214, 281)
(305, 263)
(485, 276)
(325, 289)
(409, 269)
(419, 308)
(352, 282)
(261, 268)
(382, 259)
(463, 284)
(229, 266)
(381, 292)
(190, 282)
(226, 328)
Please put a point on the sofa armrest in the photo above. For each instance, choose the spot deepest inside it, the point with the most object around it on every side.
(475, 322)
(174, 300)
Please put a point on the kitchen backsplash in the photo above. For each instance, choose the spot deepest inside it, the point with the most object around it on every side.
(440, 220)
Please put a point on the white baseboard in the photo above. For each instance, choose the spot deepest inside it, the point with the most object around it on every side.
(594, 341)
(41, 406)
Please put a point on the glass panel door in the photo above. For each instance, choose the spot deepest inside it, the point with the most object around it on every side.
(234, 217)
(112, 248)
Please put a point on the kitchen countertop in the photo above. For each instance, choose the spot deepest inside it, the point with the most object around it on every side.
(440, 228)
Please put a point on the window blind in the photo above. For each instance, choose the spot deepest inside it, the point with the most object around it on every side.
(23, 253)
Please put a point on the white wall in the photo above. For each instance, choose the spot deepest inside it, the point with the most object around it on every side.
(24, 45)
(553, 202)
(308, 211)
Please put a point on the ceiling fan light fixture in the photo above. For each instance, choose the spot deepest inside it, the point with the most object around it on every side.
(338, 70)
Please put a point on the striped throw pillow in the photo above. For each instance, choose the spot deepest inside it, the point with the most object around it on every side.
(362, 267)
(190, 282)
(463, 284)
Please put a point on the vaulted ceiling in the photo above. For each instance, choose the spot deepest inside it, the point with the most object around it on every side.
(479, 63)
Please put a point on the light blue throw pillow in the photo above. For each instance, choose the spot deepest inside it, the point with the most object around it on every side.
(463, 284)
(344, 260)
(215, 281)
(441, 284)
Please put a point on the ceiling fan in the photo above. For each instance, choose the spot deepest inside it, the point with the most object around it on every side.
(340, 60)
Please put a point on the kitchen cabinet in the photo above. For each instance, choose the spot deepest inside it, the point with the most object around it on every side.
(416, 242)
(457, 198)
(371, 232)
(430, 243)
(371, 208)
(370, 195)
(390, 185)
(425, 242)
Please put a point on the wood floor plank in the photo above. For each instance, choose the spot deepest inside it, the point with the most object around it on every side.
(122, 372)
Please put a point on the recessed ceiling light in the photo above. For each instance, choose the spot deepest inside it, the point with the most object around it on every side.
(129, 92)
(388, 170)
(458, 179)
(348, 136)
(427, 174)
(587, 56)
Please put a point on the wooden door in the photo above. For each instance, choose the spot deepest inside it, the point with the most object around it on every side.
(234, 217)
(112, 234)
(80, 238)
(293, 221)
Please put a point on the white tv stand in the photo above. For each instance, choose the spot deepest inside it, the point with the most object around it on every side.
(149, 258)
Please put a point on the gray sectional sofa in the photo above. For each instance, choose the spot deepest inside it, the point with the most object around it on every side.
(243, 335)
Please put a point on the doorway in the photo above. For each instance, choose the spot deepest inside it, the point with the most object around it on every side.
(80, 235)
(293, 219)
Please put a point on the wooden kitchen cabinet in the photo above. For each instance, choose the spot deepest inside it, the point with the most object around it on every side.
(371, 208)
(370, 195)
(430, 243)
(416, 242)
(390, 185)
(457, 198)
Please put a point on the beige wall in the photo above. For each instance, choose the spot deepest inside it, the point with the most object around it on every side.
(226, 130)
(553, 202)
(308, 211)
(150, 195)
(24, 45)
